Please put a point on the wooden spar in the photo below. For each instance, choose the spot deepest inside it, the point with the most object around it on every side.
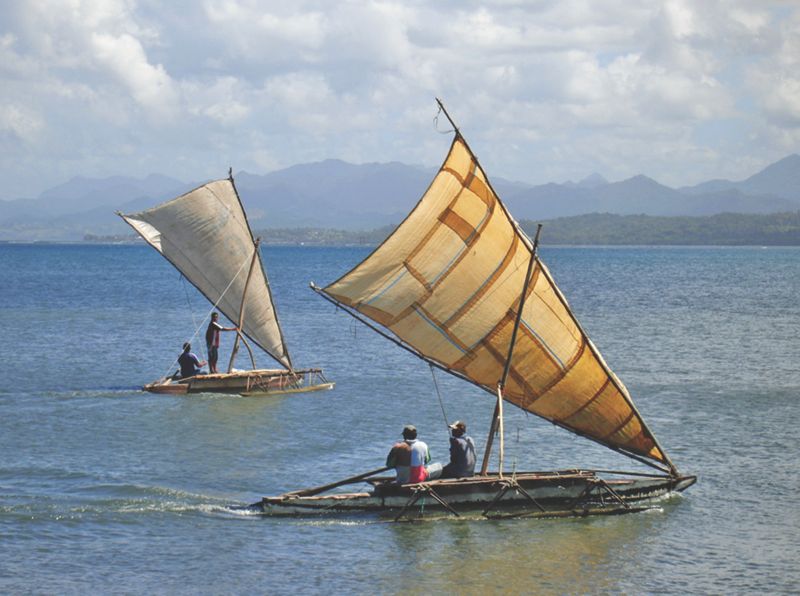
(497, 421)
(241, 307)
(308, 492)
(249, 349)
(358, 317)
(673, 470)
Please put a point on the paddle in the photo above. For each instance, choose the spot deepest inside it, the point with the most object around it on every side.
(308, 492)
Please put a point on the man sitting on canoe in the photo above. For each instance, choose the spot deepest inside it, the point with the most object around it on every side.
(189, 363)
(462, 453)
(409, 458)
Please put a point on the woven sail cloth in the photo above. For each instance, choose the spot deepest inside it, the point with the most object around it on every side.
(448, 283)
(205, 235)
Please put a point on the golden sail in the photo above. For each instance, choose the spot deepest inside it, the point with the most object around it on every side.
(448, 282)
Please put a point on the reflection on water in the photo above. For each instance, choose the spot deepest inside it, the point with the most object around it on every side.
(521, 556)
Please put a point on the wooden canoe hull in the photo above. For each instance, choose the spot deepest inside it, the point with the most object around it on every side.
(537, 494)
(262, 382)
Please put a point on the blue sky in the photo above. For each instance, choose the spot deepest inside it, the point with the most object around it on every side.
(544, 90)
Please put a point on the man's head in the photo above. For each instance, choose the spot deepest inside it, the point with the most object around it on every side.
(187, 346)
(409, 432)
(214, 316)
(458, 427)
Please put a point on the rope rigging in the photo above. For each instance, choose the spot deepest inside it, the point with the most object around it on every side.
(208, 314)
(436, 124)
(438, 393)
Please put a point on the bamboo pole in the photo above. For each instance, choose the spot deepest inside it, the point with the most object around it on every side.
(308, 492)
(247, 345)
(241, 307)
(501, 453)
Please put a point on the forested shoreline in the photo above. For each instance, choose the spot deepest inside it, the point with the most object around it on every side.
(727, 229)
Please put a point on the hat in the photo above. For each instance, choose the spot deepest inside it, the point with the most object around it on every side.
(409, 431)
(459, 424)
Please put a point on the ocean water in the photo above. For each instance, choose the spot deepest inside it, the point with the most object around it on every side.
(106, 489)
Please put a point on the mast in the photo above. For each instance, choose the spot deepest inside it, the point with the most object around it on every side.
(497, 418)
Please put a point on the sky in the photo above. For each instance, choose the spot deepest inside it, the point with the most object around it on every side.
(544, 91)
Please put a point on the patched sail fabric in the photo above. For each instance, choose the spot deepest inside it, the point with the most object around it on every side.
(205, 235)
(448, 284)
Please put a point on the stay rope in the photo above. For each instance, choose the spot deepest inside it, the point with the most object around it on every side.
(436, 124)
(438, 393)
(208, 314)
(191, 310)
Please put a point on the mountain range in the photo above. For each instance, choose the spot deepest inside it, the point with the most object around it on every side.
(334, 194)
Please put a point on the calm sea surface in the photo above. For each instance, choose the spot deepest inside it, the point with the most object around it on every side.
(107, 489)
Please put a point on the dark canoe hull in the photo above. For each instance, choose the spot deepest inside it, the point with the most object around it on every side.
(246, 383)
(536, 494)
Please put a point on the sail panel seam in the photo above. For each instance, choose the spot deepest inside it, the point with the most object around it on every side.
(442, 331)
(589, 401)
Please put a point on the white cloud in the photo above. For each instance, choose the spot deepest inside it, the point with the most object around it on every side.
(125, 58)
(19, 121)
(544, 90)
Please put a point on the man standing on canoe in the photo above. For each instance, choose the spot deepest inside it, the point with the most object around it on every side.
(212, 341)
(462, 453)
(409, 458)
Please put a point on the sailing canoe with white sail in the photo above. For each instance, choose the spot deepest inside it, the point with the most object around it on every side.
(205, 235)
(461, 286)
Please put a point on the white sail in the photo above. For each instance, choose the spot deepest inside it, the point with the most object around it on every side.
(205, 235)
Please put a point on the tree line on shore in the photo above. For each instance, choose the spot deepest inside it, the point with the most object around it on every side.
(726, 229)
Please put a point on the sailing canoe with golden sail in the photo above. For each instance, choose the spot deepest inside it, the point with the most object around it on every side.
(461, 286)
(205, 235)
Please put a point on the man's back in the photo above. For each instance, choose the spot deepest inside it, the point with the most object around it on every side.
(462, 456)
(189, 364)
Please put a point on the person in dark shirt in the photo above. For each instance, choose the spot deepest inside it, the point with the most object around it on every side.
(212, 341)
(189, 363)
(462, 453)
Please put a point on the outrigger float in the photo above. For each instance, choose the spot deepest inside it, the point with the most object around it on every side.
(461, 286)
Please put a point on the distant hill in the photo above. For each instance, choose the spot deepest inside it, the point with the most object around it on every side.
(726, 229)
(337, 195)
(781, 179)
(643, 195)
